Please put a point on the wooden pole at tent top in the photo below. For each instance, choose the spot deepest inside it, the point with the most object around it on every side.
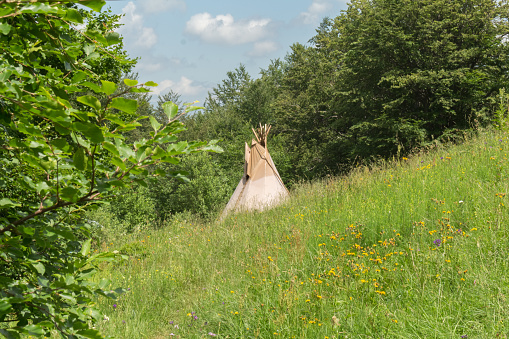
(261, 134)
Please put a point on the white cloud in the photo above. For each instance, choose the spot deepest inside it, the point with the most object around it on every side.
(263, 48)
(223, 29)
(133, 29)
(315, 12)
(158, 6)
(184, 87)
(149, 67)
(156, 63)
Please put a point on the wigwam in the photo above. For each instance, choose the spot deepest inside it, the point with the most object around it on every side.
(261, 186)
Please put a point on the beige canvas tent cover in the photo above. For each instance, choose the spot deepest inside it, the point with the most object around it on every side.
(261, 186)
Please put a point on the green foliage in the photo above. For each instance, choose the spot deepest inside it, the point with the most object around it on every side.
(386, 77)
(207, 190)
(62, 150)
(304, 112)
(413, 71)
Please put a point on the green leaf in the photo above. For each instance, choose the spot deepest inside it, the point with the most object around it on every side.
(89, 49)
(177, 148)
(48, 165)
(118, 162)
(104, 256)
(69, 194)
(94, 87)
(27, 230)
(85, 249)
(111, 148)
(130, 83)
(141, 182)
(124, 150)
(4, 307)
(43, 281)
(34, 330)
(5, 28)
(7, 203)
(151, 84)
(115, 119)
(108, 87)
(212, 148)
(104, 282)
(68, 297)
(73, 15)
(10, 334)
(41, 186)
(90, 333)
(94, 134)
(39, 8)
(155, 124)
(86, 274)
(112, 38)
(65, 234)
(35, 162)
(96, 35)
(125, 105)
(96, 5)
(170, 109)
(139, 90)
(90, 101)
(79, 76)
(181, 175)
(93, 56)
(69, 280)
(79, 159)
(193, 108)
(6, 74)
(38, 266)
(61, 144)
(158, 153)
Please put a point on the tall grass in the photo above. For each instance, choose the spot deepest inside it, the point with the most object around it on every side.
(415, 248)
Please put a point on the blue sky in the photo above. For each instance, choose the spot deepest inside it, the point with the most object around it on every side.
(189, 45)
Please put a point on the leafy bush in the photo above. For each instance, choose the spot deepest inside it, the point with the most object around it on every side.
(63, 149)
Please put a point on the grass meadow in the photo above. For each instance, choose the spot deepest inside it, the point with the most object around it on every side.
(414, 248)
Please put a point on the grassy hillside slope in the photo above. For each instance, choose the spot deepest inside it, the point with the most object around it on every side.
(414, 249)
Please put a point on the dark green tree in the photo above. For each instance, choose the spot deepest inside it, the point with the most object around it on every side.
(388, 76)
(413, 71)
(304, 111)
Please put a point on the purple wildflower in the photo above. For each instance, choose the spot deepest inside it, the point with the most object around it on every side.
(437, 242)
(464, 336)
(171, 322)
(123, 321)
(114, 305)
(195, 317)
(212, 334)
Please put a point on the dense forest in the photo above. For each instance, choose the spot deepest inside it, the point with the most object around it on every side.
(383, 79)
